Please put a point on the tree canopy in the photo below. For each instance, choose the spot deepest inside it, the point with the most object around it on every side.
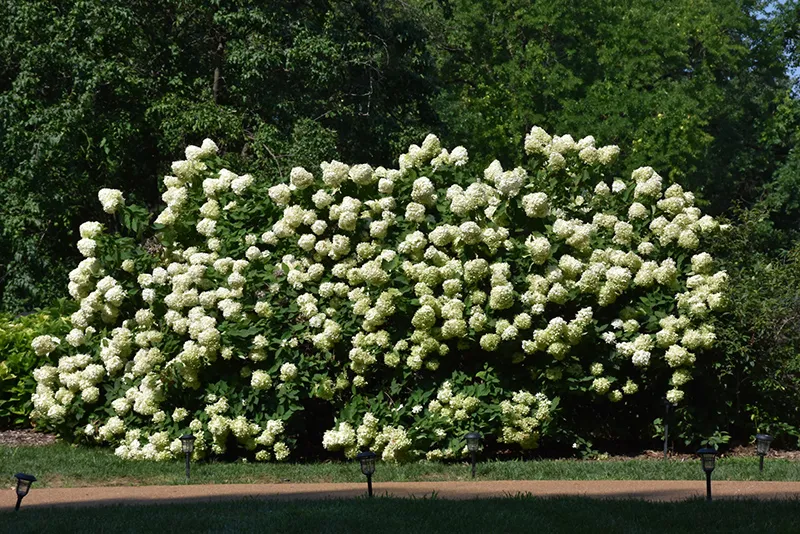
(90, 97)
(696, 89)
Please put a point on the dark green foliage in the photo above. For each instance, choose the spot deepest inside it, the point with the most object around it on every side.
(101, 93)
(690, 88)
(752, 380)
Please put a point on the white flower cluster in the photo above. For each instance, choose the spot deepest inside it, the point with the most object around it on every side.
(450, 407)
(269, 438)
(111, 199)
(522, 416)
(43, 345)
(342, 437)
(392, 442)
(558, 148)
(391, 272)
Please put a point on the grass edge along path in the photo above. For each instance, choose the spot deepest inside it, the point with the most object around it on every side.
(62, 465)
(382, 515)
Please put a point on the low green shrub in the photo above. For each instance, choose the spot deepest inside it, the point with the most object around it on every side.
(18, 360)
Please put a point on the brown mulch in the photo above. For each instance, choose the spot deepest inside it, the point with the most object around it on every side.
(31, 438)
(750, 451)
(736, 452)
(25, 438)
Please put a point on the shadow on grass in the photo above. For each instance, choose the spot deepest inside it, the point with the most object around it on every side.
(430, 514)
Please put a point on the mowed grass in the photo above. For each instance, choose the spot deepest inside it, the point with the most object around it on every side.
(61, 465)
(383, 515)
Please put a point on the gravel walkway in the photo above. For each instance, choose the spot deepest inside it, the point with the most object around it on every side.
(650, 490)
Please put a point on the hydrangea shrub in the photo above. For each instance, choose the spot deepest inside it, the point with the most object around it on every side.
(417, 303)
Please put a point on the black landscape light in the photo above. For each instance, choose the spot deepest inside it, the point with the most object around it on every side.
(763, 442)
(367, 459)
(187, 444)
(473, 443)
(23, 486)
(708, 458)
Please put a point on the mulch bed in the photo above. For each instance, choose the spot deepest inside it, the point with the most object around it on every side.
(25, 438)
(31, 438)
(740, 451)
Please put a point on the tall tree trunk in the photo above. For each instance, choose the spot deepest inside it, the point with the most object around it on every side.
(217, 70)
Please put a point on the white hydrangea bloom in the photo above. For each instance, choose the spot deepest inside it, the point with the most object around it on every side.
(301, 178)
(43, 345)
(362, 174)
(111, 199)
(240, 184)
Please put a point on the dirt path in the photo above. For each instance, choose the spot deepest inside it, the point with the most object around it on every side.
(651, 490)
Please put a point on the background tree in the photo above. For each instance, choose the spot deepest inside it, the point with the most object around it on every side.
(91, 97)
(691, 87)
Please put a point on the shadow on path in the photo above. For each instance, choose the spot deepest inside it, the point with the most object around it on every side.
(648, 490)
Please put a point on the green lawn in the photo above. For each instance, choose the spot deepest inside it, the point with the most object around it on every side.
(383, 515)
(61, 465)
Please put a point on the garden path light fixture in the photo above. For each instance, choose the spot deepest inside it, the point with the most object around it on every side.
(23, 486)
(367, 459)
(763, 442)
(708, 458)
(187, 444)
(473, 442)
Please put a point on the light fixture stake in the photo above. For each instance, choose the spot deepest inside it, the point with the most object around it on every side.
(367, 460)
(24, 482)
(763, 442)
(187, 444)
(708, 457)
(473, 443)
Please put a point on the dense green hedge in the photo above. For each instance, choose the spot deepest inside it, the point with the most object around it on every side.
(394, 309)
(753, 378)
